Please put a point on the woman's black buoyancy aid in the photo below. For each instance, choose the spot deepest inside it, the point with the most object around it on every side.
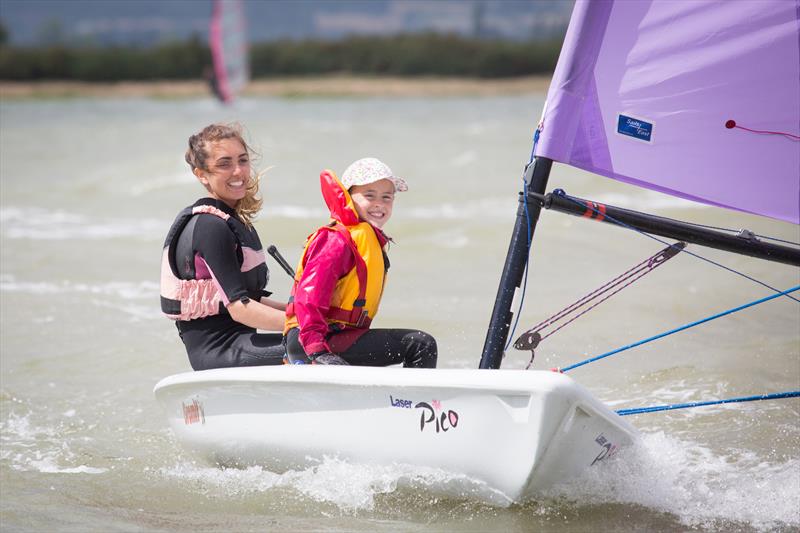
(187, 294)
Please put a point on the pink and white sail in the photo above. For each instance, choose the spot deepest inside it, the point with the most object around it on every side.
(228, 42)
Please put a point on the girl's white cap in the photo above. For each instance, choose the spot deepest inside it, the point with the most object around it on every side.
(370, 170)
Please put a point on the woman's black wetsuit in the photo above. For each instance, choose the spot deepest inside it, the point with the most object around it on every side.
(217, 341)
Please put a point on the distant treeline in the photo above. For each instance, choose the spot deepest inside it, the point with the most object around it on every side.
(403, 55)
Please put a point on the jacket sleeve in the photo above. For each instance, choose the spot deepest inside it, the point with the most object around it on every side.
(217, 249)
(328, 258)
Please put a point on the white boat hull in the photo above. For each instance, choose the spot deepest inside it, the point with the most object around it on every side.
(518, 432)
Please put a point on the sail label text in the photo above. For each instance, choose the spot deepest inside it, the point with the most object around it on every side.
(635, 127)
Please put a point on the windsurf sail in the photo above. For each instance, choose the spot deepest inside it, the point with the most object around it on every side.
(228, 42)
(695, 98)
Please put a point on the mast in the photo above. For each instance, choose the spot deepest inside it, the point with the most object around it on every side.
(536, 175)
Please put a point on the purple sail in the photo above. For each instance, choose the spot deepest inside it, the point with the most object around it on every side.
(699, 99)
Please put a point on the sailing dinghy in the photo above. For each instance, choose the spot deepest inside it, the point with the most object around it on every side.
(292, 417)
(644, 92)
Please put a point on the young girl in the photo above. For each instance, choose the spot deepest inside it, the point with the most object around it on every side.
(213, 272)
(340, 279)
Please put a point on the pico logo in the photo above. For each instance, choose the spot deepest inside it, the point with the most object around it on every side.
(433, 414)
(193, 413)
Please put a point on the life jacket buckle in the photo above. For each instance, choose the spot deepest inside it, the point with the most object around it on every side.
(362, 319)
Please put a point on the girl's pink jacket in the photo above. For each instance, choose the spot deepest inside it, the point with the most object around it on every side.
(328, 258)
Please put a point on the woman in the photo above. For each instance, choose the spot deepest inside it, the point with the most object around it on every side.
(213, 270)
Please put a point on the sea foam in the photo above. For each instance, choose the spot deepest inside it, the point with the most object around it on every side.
(693, 483)
(42, 224)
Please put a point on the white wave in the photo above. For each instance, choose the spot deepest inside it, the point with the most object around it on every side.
(34, 214)
(48, 465)
(701, 488)
(481, 209)
(136, 313)
(164, 182)
(355, 486)
(476, 128)
(293, 211)
(27, 447)
(350, 487)
(464, 159)
(142, 290)
(445, 239)
(116, 295)
(19, 428)
(673, 390)
(42, 224)
(664, 386)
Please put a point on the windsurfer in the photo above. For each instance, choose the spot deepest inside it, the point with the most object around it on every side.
(341, 275)
(213, 270)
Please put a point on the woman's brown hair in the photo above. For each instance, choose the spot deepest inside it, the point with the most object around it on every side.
(198, 152)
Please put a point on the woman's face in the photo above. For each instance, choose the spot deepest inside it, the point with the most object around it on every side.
(228, 171)
(374, 201)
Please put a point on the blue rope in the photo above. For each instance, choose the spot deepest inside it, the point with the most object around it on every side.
(563, 194)
(775, 396)
(530, 238)
(681, 328)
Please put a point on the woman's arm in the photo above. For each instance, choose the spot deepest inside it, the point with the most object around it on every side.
(216, 245)
(258, 315)
(280, 306)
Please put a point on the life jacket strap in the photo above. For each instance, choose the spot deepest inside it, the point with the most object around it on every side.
(357, 317)
(364, 320)
(361, 265)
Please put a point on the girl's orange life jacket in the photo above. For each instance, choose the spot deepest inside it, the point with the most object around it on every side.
(356, 296)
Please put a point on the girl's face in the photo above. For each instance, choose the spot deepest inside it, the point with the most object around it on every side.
(228, 171)
(374, 201)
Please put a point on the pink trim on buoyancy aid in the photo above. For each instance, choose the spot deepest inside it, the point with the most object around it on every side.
(189, 299)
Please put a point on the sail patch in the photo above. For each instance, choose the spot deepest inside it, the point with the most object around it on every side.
(635, 127)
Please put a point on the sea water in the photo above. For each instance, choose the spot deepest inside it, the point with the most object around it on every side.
(89, 188)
